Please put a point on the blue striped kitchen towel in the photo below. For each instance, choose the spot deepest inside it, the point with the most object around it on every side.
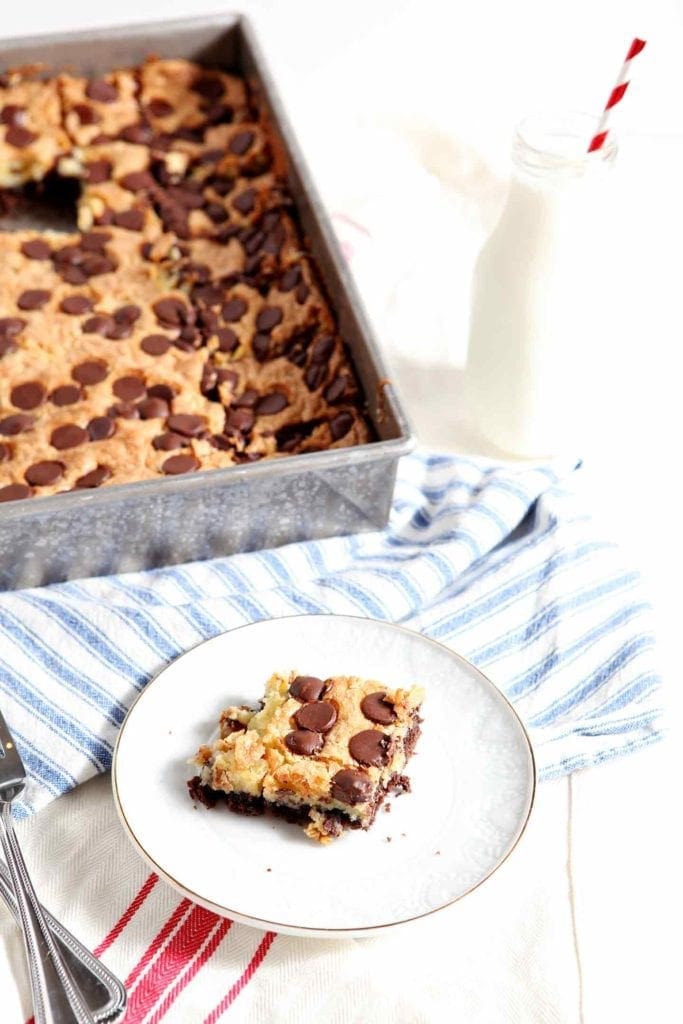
(497, 561)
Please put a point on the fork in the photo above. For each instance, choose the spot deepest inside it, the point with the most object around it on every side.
(104, 992)
(56, 997)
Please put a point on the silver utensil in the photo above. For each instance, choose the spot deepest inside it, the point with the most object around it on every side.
(102, 990)
(56, 997)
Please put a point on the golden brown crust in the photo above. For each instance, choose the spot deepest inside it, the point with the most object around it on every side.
(185, 239)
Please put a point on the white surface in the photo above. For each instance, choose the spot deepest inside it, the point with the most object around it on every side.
(405, 111)
(472, 784)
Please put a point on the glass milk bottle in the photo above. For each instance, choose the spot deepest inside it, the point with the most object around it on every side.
(536, 292)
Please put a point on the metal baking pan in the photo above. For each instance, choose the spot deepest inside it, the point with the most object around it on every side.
(128, 527)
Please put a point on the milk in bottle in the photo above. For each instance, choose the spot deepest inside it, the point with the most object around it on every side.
(536, 292)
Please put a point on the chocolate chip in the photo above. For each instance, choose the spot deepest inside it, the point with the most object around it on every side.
(90, 372)
(65, 394)
(34, 298)
(98, 171)
(240, 143)
(245, 201)
(100, 428)
(261, 347)
(75, 305)
(271, 404)
(73, 275)
(240, 419)
(315, 376)
(350, 786)
(318, 716)
(220, 184)
(209, 86)
(14, 492)
(125, 410)
(340, 425)
(234, 310)
(322, 349)
(155, 344)
(169, 442)
(219, 113)
(127, 314)
(269, 317)
(12, 113)
(189, 333)
(153, 408)
(302, 293)
(10, 327)
(161, 391)
(28, 395)
(68, 254)
(139, 134)
(159, 107)
(120, 331)
(36, 249)
(99, 324)
(247, 399)
(377, 708)
(95, 241)
(95, 478)
(253, 241)
(209, 379)
(16, 424)
(42, 474)
(129, 389)
(6, 345)
(97, 263)
(215, 212)
(273, 241)
(86, 114)
(290, 279)
(306, 688)
(131, 220)
(226, 376)
(101, 91)
(200, 272)
(370, 747)
(227, 339)
(19, 137)
(303, 742)
(136, 180)
(208, 295)
(187, 424)
(5, 453)
(186, 198)
(68, 436)
(171, 312)
(179, 464)
(335, 390)
(222, 442)
(174, 219)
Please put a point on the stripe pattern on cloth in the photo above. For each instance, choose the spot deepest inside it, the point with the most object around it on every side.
(496, 561)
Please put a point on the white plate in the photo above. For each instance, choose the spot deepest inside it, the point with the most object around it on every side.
(472, 779)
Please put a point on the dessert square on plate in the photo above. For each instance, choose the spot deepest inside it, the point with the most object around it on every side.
(323, 753)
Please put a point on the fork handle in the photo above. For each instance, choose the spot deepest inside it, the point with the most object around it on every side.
(56, 998)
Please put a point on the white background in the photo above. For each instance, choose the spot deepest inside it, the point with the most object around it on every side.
(405, 111)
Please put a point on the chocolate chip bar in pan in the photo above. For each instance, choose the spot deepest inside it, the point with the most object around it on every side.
(321, 753)
(183, 327)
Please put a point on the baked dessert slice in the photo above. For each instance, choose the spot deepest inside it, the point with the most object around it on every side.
(322, 753)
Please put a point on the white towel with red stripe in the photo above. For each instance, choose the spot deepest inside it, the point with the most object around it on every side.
(504, 954)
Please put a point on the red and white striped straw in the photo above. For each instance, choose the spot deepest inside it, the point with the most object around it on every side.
(620, 87)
